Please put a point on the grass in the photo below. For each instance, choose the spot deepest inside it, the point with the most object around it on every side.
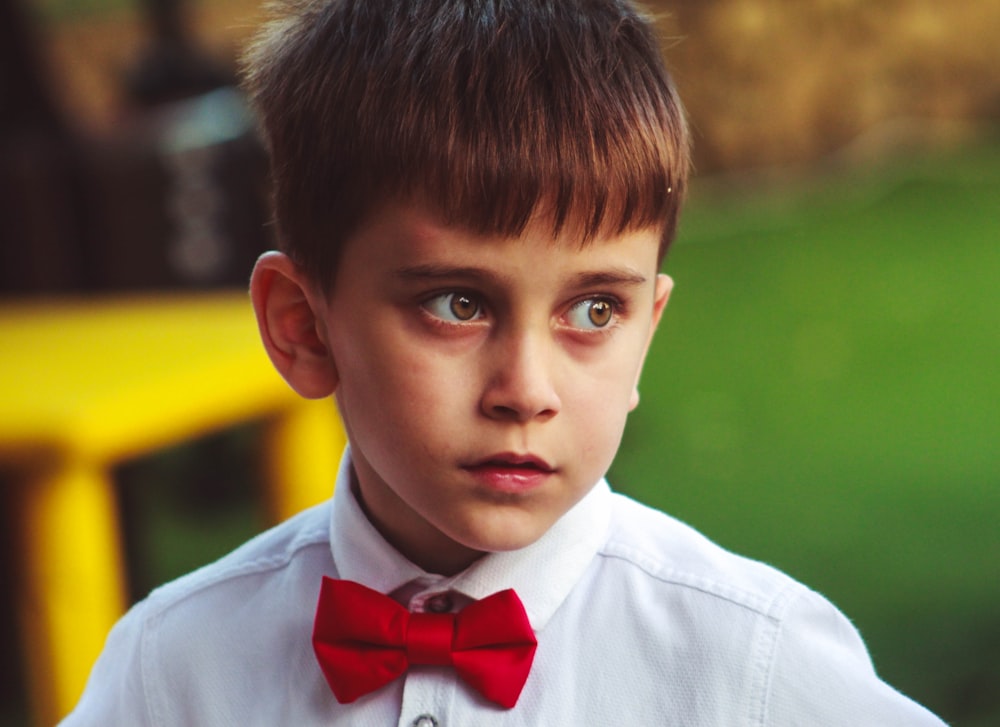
(822, 396)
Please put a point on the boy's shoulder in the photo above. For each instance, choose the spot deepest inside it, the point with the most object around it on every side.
(166, 661)
(758, 646)
(294, 549)
(678, 556)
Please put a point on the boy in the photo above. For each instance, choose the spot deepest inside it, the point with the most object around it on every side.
(473, 198)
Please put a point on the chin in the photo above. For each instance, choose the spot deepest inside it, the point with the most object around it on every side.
(506, 539)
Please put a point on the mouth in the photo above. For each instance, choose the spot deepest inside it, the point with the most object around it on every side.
(511, 472)
(526, 462)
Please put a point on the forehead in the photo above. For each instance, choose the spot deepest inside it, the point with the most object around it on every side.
(408, 237)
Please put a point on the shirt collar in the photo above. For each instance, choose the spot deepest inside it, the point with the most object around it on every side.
(542, 573)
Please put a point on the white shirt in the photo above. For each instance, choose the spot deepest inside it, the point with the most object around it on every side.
(640, 620)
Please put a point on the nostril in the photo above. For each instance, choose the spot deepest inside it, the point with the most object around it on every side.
(520, 414)
(504, 412)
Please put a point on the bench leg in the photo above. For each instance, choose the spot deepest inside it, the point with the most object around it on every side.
(303, 448)
(73, 583)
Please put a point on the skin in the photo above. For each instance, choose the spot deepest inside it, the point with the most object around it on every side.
(484, 382)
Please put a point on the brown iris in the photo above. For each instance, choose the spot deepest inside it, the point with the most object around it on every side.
(463, 307)
(600, 313)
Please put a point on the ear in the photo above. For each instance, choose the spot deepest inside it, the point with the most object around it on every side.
(289, 316)
(664, 284)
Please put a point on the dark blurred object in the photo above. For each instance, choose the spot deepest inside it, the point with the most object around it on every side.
(24, 91)
(181, 196)
(172, 67)
(41, 217)
(176, 196)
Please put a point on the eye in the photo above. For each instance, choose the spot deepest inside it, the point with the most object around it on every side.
(454, 307)
(592, 313)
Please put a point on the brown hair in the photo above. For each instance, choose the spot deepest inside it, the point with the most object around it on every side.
(485, 109)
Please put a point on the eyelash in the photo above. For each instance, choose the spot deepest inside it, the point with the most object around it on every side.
(618, 310)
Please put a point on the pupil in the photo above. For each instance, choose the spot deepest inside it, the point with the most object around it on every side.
(600, 313)
(463, 307)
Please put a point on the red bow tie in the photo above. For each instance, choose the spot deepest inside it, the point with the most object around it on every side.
(363, 640)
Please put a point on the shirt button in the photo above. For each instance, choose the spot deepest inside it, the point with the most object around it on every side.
(440, 603)
(425, 720)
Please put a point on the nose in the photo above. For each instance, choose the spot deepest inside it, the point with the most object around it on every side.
(521, 381)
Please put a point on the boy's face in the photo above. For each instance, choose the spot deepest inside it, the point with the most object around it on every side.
(484, 381)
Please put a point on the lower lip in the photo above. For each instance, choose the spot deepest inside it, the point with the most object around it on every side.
(509, 479)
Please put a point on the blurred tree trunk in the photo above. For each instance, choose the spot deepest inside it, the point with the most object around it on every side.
(41, 214)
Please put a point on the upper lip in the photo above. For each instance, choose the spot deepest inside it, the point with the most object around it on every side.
(513, 459)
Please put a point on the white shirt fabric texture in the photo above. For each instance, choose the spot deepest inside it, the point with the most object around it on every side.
(640, 621)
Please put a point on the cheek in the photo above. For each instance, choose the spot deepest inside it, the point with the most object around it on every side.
(597, 415)
(601, 402)
(608, 383)
(403, 390)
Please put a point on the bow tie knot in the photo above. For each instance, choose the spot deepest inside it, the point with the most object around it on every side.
(364, 640)
(429, 639)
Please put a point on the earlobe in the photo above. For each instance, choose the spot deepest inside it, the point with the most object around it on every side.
(664, 285)
(288, 314)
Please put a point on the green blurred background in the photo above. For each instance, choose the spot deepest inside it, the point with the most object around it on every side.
(822, 392)
(822, 395)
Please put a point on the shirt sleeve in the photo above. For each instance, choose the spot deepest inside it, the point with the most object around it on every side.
(115, 693)
(822, 675)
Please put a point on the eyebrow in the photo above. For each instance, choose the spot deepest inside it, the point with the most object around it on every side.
(615, 276)
(441, 272)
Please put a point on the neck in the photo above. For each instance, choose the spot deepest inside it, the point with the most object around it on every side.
(427, 548)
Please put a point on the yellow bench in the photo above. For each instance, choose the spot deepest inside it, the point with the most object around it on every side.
(85, 384)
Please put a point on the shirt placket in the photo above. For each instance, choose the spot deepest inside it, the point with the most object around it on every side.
(429, 691)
